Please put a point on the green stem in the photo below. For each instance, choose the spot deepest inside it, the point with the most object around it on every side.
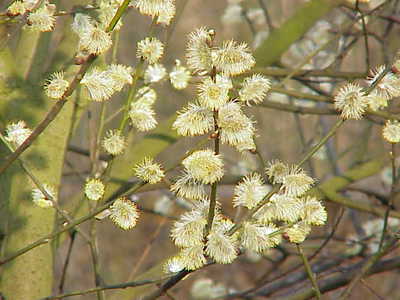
(213, 193)
(107, 287)
(310, 273)
(118, 15)
(322, 142)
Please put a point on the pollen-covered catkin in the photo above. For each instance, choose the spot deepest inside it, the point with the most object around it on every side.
(351, 101)
(149, 171)
(204, 166)
(124, 213)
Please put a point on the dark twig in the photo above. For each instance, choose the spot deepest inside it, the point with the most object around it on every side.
(66, 263)
(106, 287)
(167, 285)
(266, 14)
(337, 281)
(309, 272)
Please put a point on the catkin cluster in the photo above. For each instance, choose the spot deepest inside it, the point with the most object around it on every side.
(290, 213)
(219, 110)
(383, 85)
(102, 83)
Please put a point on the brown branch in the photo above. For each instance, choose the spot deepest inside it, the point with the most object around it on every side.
(308, 73)
(299, 109)
(50, 116)
(167, 285)
(343, 279)
(106, 287)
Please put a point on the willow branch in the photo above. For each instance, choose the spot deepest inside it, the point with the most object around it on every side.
(308, 73)
(56, 108)
(106, 287)
(310, 273)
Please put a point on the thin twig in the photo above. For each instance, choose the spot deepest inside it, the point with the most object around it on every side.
(66, 263)
(213, 193)
(106, 287)
(266, 15)
(310, 273)
(365, 34)
(366, 268)
(146, 250)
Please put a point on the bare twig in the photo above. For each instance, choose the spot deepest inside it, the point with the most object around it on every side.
(310, 273)
(106, 287)
(66, 263)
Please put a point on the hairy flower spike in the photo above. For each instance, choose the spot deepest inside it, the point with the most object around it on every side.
(250, 191)
(179, 76)
(142, 116)
(276, 171)
(150, 49)
(42, 19)
(221, 247)
(81, 24)
(214, 95)
(167, 14)
(233, 58)
(254, 89)
(312, 211)
(174, 265)
(280, 208)
(388, 87)
(154, 73)
(17, 133)
(198, 50)
(351, 101)
(235, 127)
(41, 200)
(120, 75)
(146, 96)
(114, 142)
(94, 189)
(56, 85)
(155, 8)
(257, 237)
(95, 41)
(149, 171)
(194, 120)
(124, 213)
(247, 144)
(193, 257)
(188, 230)
(376, 101)
(99, 84)
(391, 131)
(187, 187)
(17, 8)
(296, 182)
(298, 232)
(205, 166)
